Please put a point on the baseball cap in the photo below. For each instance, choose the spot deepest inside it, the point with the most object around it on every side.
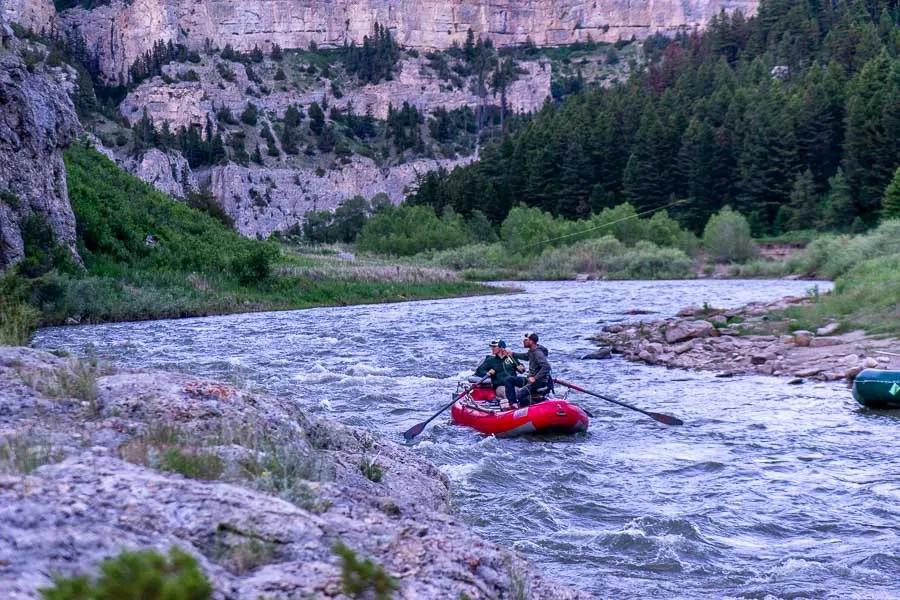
(498, 344)
(531, 336)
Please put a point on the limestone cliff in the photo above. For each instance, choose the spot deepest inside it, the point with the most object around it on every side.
(120, 32)
(37, 120)
(36, 15)
(262, 201)
(184, 103)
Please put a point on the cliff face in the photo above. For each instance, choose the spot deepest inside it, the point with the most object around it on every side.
(37, 15)
(37, 120)
(185, 103)
(262, 201)
(120, 32)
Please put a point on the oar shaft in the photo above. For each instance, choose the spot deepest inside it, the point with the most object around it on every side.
(596, 395)
(417, 429)
(667, 419)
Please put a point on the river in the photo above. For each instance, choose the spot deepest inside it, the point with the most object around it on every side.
(767, 491)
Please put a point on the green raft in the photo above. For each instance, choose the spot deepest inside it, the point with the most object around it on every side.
(874, 388)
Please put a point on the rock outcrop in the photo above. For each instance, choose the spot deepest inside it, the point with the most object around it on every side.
(262, 200)
(37, 120)
(86, 471)
(747, 340)
(186, 103)
(120, 32)
(168, 172)
(36, 15)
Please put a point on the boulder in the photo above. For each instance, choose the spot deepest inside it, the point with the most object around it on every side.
(758, 358)
(852, 372)
(822, 342)
(689, 311)
(869, 362)
(600, 354)
(828, 329)
(802, 337)
(808, 372)
(680, 331)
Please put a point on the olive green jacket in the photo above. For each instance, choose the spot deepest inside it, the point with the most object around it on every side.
(503, 368)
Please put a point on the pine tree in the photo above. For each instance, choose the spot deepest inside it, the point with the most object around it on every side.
(249, 116)
(873, 132)
(257, 156)
(316, 118)
(803, 210)
(838, 212)
(890, 204)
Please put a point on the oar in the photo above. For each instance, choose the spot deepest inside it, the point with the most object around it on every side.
(655, 416)
(417, 429)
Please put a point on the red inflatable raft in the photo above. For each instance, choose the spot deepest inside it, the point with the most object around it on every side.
(478, 410)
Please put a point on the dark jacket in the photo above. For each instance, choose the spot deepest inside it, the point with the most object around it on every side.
(503, 368)
(538, 365)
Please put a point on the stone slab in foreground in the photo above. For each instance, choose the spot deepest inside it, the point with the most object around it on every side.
(87, 470)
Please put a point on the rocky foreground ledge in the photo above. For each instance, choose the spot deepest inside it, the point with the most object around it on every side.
(743, 341)
(95, 460)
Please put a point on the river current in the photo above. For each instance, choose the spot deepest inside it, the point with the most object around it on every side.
(767, 491)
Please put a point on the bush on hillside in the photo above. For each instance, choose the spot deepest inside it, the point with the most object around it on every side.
(123, 221)
(727, 237)
(144, 574)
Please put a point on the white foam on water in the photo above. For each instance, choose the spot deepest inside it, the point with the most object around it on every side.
(460, 473)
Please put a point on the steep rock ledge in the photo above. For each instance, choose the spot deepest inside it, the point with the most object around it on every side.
(120, 32)
(186, 103)
(290, 484)
(37, 120)
(262, 201)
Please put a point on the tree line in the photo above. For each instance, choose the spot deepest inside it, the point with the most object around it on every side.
(792, 117)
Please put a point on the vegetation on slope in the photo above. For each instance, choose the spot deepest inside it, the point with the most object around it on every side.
(148, 256)
(791, 117)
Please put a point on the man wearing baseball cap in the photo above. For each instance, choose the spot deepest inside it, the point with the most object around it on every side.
(500, 365)
(538, 371)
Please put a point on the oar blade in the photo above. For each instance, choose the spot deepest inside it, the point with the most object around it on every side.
(412, 432)
(668, 420)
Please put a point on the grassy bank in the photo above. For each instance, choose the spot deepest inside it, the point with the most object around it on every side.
(866, 272)
(147, 256)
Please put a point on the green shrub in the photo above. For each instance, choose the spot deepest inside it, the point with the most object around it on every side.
(192, 464)
(141, 575)
(360, 576)
(648, 261)
(406, 230)
(727, 237)
(526, 231)
(371, 469)
(831, 256)
(255, 265)
(17, 322)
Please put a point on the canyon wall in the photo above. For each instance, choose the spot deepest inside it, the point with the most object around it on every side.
(37, 15)
(186, 103)
(120, 32)
(37, 120)
(264, 200)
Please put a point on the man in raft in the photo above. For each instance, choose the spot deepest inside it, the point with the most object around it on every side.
(500, 365)
(538, 371)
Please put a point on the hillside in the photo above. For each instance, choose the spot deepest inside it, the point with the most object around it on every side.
(791, 117)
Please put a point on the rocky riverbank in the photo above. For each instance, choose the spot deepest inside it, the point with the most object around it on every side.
(94, 460)
(751, 339)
